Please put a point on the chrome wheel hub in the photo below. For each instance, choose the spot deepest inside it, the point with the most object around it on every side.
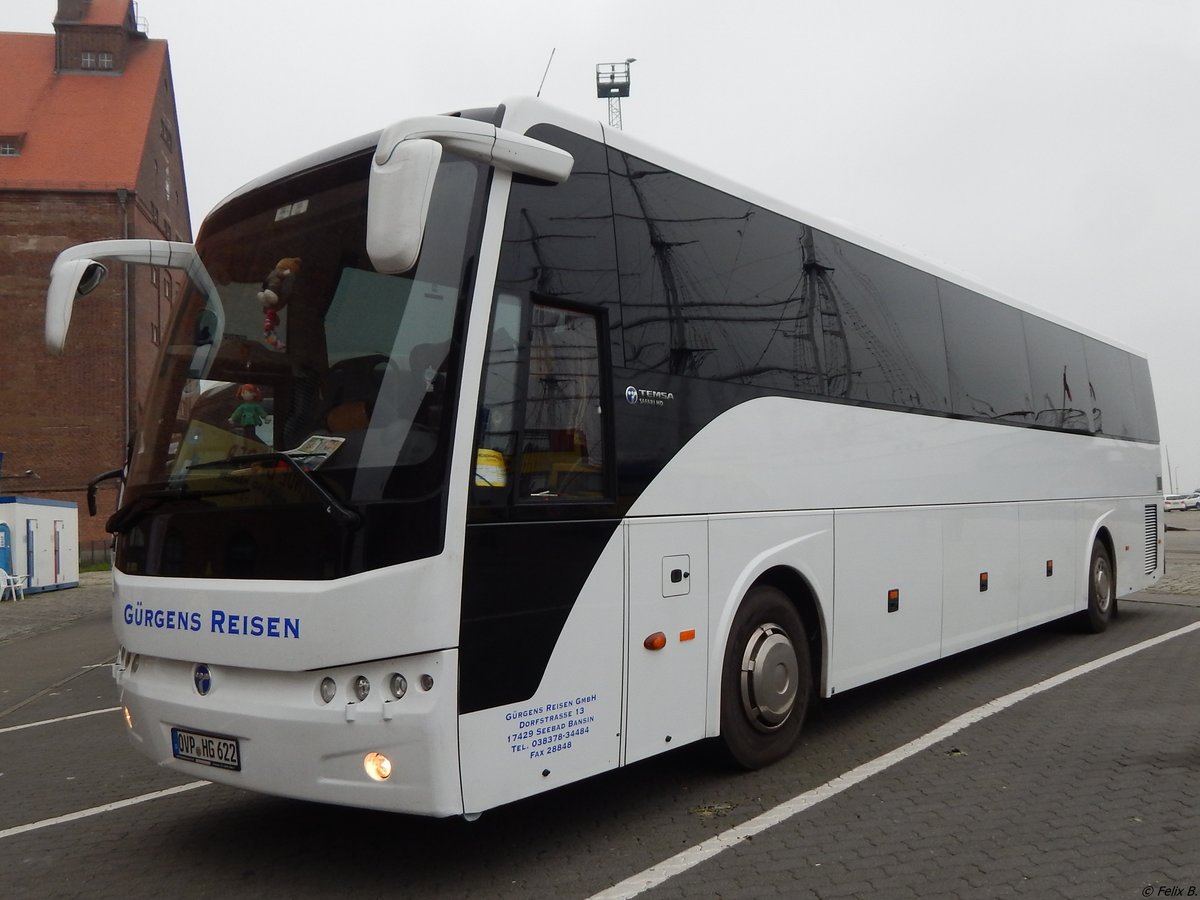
(769, 677)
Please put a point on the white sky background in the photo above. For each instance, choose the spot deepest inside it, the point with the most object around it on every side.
(1046, 148)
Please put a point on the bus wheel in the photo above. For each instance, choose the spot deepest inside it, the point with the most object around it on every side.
(1102, 590)
(766, 680)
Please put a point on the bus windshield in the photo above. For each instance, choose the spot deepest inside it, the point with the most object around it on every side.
(310, 395)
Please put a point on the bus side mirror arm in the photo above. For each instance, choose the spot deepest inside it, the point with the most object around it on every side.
(76, 272)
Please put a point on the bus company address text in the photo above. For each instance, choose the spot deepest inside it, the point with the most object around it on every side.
(551, 727)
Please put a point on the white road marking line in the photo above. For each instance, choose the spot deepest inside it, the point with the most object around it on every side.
(83, 715)
(100, 810)
(693, 856)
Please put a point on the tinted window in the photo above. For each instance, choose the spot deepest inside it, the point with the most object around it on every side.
(882, 326)
(1143, 396)
(711, 285)
(1110, 377)
(541, 436)
(1058, 375)
(558, 239)
(540, 432)
(985, 346)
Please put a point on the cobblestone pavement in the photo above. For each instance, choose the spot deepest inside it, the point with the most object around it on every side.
(47, 610)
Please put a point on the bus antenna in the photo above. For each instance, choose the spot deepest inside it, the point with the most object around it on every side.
(547, 72)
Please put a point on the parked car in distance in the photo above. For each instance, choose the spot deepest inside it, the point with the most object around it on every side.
(1175, 502)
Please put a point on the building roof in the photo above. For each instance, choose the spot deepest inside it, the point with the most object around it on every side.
(79, 131)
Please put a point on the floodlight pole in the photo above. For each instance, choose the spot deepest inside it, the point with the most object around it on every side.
(612, 83)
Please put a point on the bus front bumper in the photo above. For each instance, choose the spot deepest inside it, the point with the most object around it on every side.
(274, 732)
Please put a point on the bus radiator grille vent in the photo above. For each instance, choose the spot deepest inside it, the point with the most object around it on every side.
(1151, 539)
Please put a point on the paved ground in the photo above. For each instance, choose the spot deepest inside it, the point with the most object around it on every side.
(1183, 555)
(48, 610)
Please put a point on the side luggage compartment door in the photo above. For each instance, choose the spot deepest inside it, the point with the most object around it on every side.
(667, 594)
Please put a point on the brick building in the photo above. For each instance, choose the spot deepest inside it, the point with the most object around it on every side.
(89, 150)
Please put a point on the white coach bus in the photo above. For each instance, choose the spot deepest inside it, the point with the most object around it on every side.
(498, 449)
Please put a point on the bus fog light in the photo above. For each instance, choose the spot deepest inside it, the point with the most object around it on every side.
(427, 682)
(378, 766)
(398, 685)
(362, 687)
(328, 689)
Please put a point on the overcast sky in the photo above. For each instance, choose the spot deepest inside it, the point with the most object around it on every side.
(1046, 149)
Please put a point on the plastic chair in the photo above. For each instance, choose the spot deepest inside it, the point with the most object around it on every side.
(13, 585)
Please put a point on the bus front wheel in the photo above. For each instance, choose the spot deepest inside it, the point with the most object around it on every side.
(766, 679)
(1102, 590)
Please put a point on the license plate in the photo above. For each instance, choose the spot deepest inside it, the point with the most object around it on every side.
(213, 750)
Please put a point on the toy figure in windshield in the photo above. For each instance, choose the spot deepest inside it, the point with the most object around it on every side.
(274, 297)
(250, 412)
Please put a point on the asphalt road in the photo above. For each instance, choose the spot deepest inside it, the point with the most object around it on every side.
(1085, 788)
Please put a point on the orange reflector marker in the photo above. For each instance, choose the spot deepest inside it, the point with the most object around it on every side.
(983, 581)
(656, 641)
(689, 635)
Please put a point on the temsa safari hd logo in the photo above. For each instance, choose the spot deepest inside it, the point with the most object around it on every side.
(641, 397)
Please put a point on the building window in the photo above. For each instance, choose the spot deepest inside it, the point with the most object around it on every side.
(9, 148)
(87, 60)
(105, 60)
(165, 131)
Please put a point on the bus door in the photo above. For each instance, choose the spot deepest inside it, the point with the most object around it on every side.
(667, 603)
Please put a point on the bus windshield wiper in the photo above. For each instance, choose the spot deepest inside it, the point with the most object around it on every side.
(334, 507)
(131, 513)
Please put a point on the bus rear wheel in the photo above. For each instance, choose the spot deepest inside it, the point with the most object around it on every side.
(1102, 590)
(766, 679)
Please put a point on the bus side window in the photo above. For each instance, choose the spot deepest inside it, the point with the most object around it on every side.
(540, 426)
(562, 453)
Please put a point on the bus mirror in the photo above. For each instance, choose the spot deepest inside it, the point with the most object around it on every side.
(68, 279)
(405, 165)
(93, 274)
(398, 203)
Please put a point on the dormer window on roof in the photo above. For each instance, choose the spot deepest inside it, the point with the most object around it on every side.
(89, 59)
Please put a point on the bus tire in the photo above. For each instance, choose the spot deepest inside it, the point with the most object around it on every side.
(1102, 590)
(766, 679)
